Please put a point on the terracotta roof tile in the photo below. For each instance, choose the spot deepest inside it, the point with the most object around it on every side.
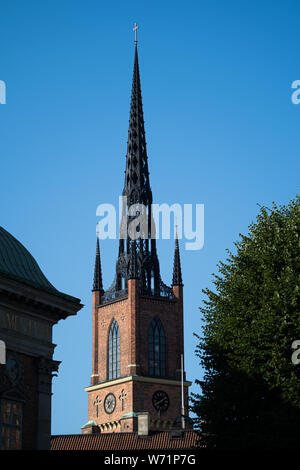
(124, 441)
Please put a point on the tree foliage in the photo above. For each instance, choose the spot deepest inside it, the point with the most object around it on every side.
(250, 392)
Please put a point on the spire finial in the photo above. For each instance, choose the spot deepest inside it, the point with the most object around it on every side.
(176, 229)
(135, 33)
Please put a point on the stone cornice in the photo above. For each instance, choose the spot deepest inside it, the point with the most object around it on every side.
(53, 306)
(137, 378)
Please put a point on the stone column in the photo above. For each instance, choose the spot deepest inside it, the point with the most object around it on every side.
(46, 367)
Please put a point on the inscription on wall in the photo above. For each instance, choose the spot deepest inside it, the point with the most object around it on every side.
(25, 325)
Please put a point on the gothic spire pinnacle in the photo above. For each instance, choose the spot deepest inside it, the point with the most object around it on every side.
(97, 285)
(177, 277)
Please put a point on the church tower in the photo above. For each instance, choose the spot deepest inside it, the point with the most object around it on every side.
(137, 348)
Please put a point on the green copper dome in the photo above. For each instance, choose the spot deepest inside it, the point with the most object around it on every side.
(16, 262)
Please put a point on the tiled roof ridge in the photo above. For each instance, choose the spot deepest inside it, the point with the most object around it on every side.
(125, 441)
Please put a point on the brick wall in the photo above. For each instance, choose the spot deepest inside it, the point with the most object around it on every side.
(134, 316)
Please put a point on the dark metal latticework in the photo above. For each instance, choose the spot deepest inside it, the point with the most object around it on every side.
(137, 258)
(137, 250)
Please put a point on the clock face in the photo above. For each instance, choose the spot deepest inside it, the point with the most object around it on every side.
(160, 400)
(109, 403)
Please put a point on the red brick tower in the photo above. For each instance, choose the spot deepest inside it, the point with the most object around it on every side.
(138, 323)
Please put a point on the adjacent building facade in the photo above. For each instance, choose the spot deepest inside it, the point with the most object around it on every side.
(29, 307)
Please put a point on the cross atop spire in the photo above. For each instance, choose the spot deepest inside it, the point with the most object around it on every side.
(135, 33)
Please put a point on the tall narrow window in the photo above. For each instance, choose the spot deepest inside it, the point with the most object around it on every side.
(114, 351)
(10, 425)
(157, 349)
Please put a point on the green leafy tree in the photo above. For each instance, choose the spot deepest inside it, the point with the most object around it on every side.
(250, 392)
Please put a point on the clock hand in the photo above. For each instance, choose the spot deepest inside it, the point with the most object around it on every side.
(161, 401)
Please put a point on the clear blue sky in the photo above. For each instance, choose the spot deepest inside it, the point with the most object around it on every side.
(220, 126)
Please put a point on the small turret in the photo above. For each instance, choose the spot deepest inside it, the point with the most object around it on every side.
(177, 276)
(97, 284)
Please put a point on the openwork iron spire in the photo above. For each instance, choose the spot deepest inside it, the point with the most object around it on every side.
(137, 257)
(138, 194)
(97, 285)
(137, 185)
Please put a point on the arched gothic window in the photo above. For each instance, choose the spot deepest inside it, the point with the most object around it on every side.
(157, 349)
(114, 351)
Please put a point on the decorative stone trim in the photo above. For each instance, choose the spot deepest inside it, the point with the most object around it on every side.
(137, 378)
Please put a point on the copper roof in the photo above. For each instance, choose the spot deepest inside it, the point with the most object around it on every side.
(125, 441)
(17, 263)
